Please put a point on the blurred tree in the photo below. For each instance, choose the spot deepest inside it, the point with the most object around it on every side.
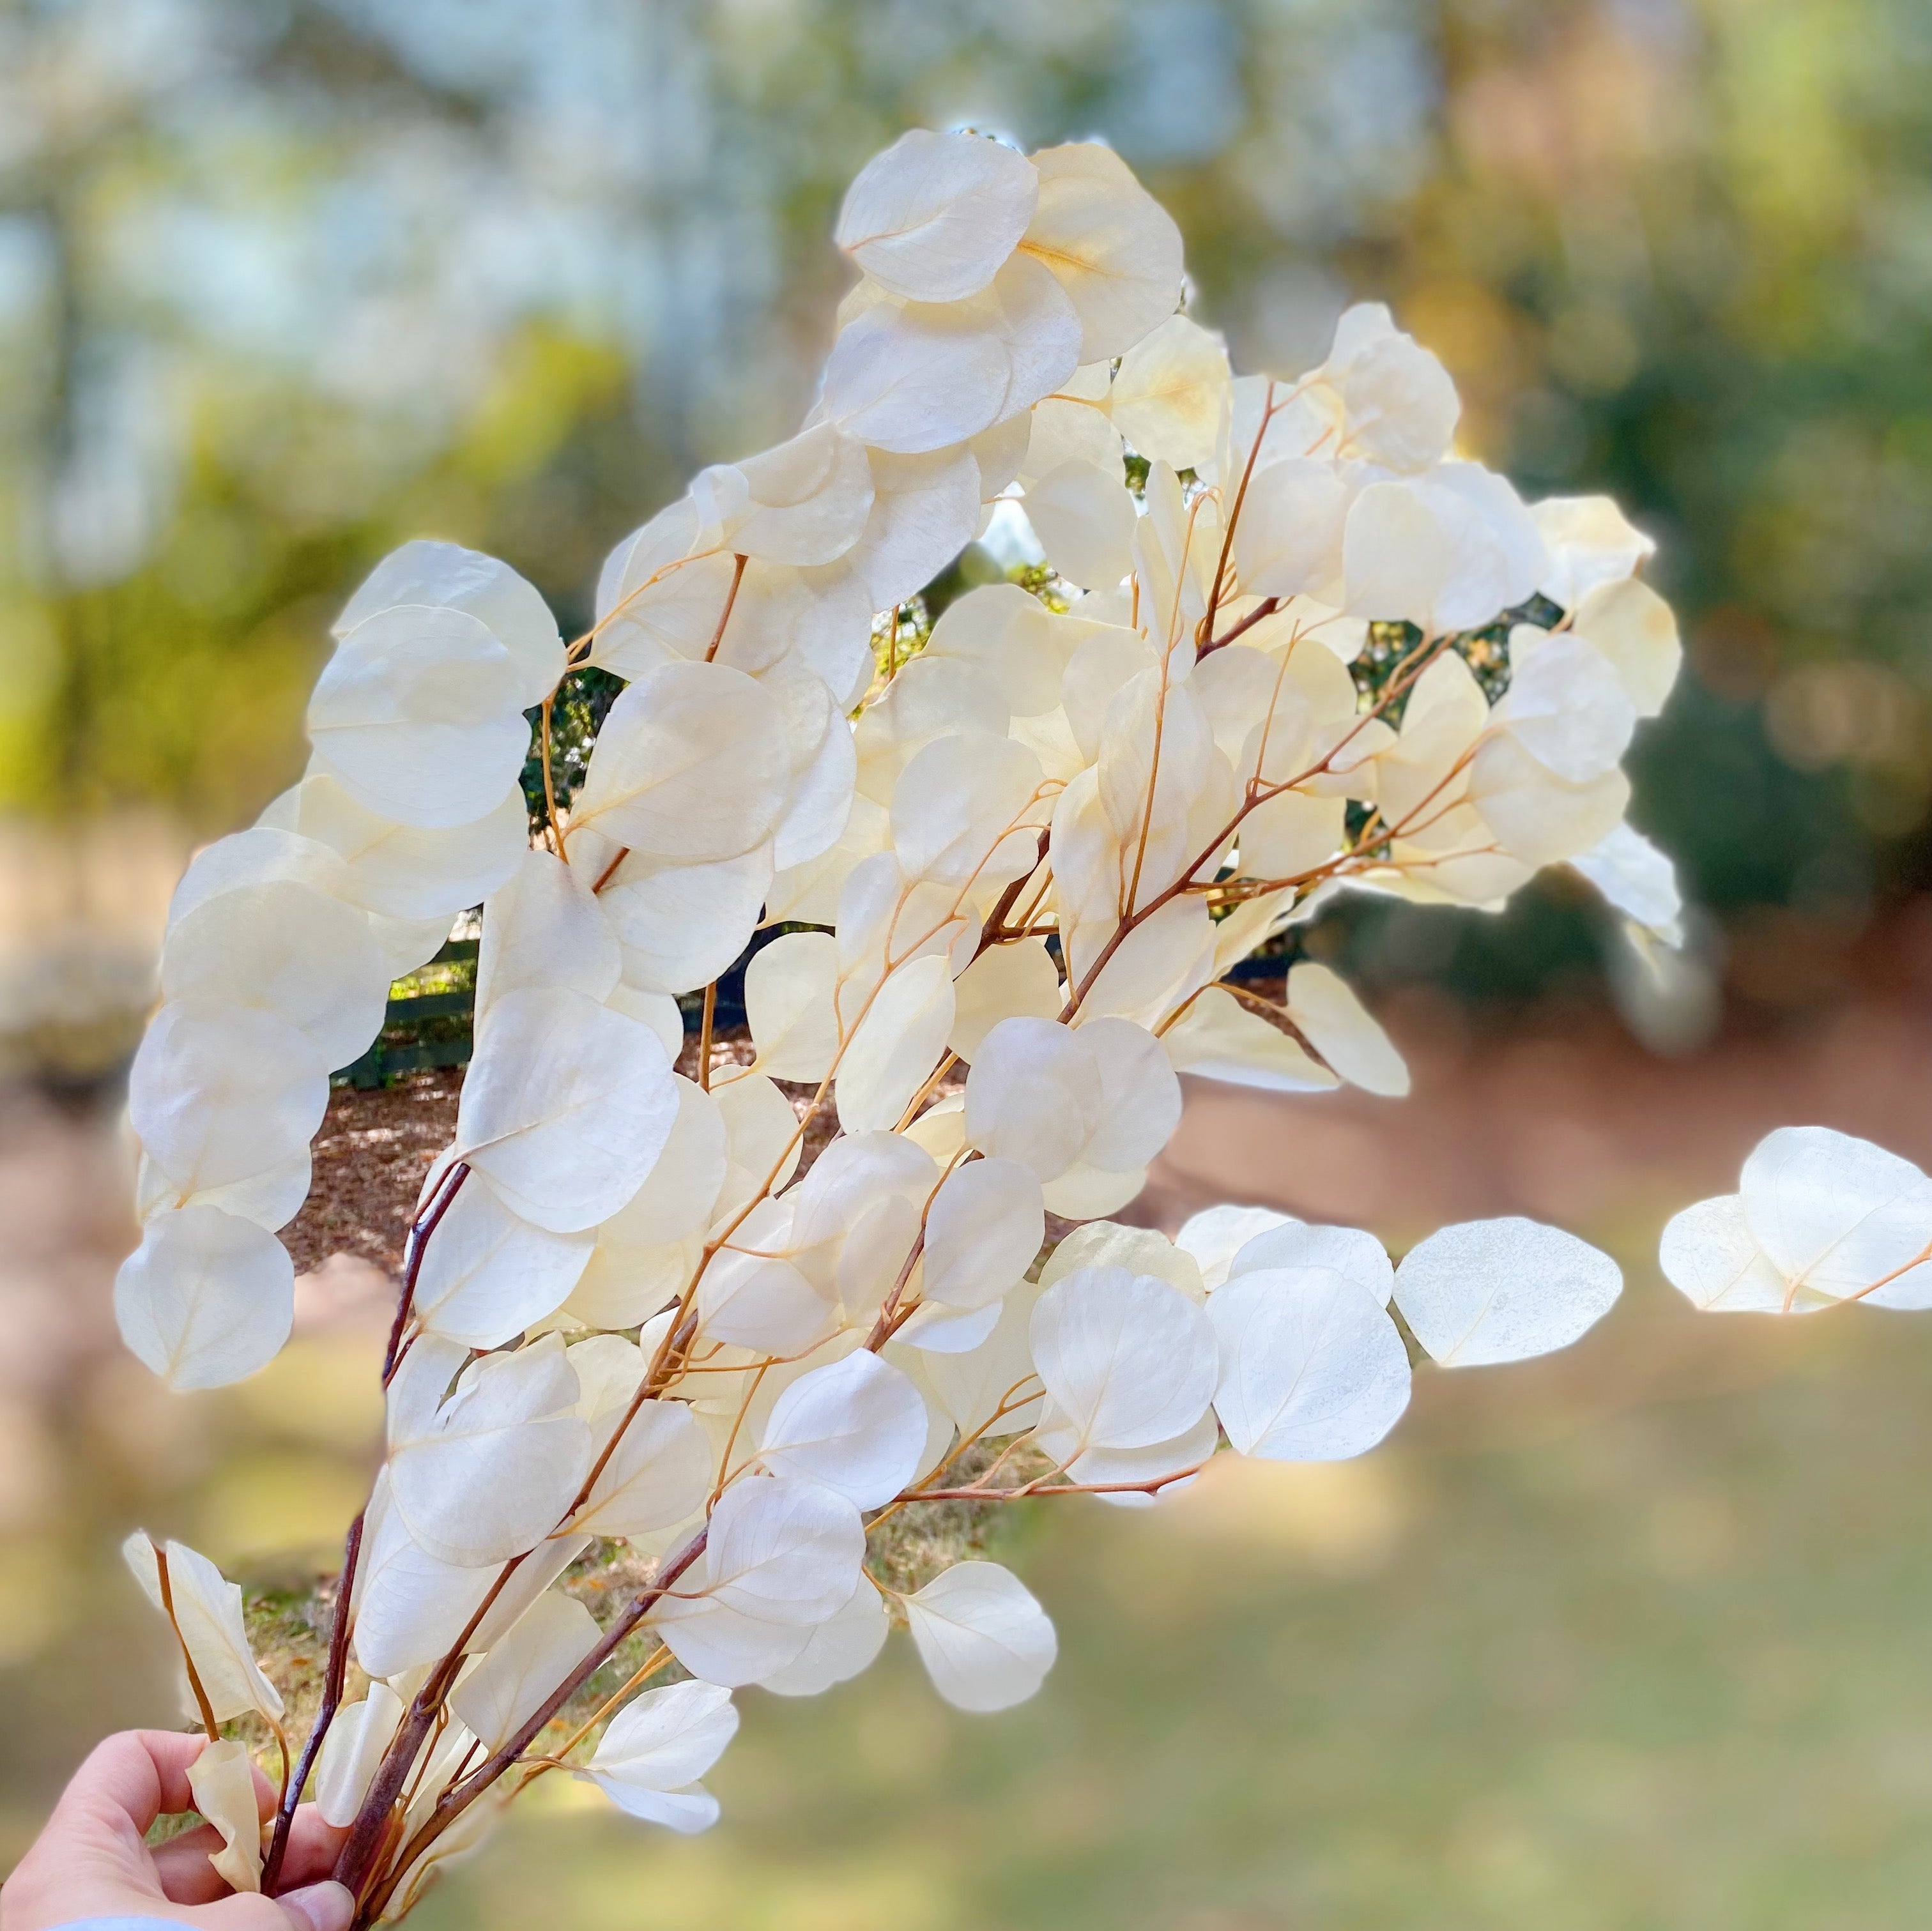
(284, 281)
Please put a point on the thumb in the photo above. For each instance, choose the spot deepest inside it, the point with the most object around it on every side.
(318, 1907)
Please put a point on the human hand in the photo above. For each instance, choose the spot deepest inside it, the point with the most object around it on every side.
(91, 1862)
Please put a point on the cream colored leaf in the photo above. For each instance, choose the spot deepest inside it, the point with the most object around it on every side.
(985, 1641)
(1010, 636)
(838, 1649)
(446, 574)
(658, 1475)
(221, 1780)
(895, 1046)
(657, 1747)
(762, 1137)
(419, 715)
(1140, 1097)
(285, 947)
(1215, 1235)
(1084, 520)
(692, 766)
(351, 1752)
(661, 593)
(1707, 1254)
(789, 987)
(1590, 542)
(206, 1299)
(783, 1555)
(566, 1107)
(487, 1474)
(1004, 981)
(1347, 1250)
(925, 510)
(1634, 627)
(1141, 1250)
(682, 925)
(1034, 1095)
(543, 929)
(1128, 1360)
(930, 698)
(1567, 708)
(1110, 245)
(802, 503)
(486, 1274)
(1840, 1215)
(682, 1189)
(1502, 1290)
(1170, 397)
(509, 1686)
(983, 1230)
(967, 811)
(207, 1618)
(1340, 1028)
(218, 1094)
(1288, 540)
(1312, 1368)
(1536, 816)
(932, 218)
(407, 871)
(1218, 1038)
(1085, 1191)
(1636, 878)
(856, 1426)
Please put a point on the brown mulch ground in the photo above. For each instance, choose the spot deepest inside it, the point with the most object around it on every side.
(376, 1148)
(370, 1160)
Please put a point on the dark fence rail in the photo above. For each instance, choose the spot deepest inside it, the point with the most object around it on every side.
(426, 1029)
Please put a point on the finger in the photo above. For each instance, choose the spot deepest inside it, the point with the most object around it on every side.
(137, 1775)
(312, 1848)
(321, 1907)
(182, 1866)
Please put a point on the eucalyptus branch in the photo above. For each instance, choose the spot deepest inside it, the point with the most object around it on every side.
(629, 1247)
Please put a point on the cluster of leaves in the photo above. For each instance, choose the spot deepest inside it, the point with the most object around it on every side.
(668, 1400)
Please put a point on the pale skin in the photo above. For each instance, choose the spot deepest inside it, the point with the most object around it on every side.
(91, 1859)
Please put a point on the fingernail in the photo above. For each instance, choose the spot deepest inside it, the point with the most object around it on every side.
(319, 1907)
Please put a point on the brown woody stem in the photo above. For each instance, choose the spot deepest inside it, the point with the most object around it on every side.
(459, 1796)
(194, 1684)
(332, 1702)
(419, 1234)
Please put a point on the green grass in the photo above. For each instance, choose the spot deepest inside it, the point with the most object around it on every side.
(1635, 1638)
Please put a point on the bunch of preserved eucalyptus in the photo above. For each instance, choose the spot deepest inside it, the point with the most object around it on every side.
(1285, 643)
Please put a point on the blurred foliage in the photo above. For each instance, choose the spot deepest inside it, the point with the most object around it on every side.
(283, 282)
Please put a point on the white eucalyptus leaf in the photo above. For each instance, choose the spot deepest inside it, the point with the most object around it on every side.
(1128, 1359)
(648, 1762)
(1313, 1370)
(856, 1426)
(489, 1475)
(933, 217)
(983, 1230)
(566, 1107)
(985, 1641)
(419, 715)
(1488, 1290)
(838, 1650)
(509, 1686)
(208, 1618)
(206, 1299)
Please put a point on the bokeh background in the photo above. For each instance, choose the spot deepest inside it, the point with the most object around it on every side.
(1636, 1638)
